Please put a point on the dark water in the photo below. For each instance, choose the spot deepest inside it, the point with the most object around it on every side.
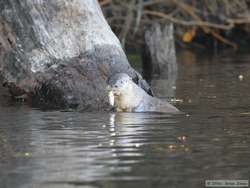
(69, 149)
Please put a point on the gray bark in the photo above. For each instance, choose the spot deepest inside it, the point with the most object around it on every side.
(159, 52)
(59, 53)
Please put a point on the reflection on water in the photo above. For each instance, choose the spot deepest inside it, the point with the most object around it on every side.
(70, 149)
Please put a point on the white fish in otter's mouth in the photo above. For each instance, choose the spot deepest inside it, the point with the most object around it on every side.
(126, 96)
(111, 98)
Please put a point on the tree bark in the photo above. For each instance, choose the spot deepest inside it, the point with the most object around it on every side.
(159, 57)
(59, 53)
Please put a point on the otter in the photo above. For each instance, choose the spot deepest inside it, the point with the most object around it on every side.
(126, 96)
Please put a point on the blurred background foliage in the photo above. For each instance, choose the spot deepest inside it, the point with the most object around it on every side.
(198, 23)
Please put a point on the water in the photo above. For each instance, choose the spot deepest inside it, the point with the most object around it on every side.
(53, 149)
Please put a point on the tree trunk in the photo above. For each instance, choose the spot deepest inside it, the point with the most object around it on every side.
(159, 57)
(59, 53)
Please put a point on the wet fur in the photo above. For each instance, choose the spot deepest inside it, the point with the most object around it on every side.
(132, 98)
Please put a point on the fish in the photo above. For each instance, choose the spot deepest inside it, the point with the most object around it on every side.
(111, 98)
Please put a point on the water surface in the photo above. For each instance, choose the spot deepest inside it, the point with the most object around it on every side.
(70, 149)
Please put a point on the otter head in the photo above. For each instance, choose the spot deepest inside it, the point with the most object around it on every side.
(118, 85)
